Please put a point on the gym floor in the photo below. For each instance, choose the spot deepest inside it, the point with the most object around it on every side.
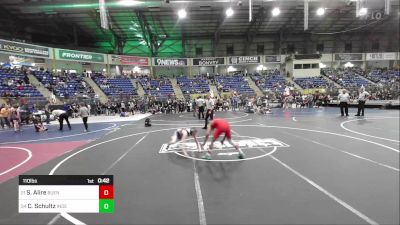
(315, 168)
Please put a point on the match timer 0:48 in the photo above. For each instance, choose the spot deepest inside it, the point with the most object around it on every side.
(66, 193)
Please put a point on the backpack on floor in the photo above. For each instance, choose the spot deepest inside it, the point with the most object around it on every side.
(147, 122)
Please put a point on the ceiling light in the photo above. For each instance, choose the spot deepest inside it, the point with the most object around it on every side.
(128, 2)
(348, 64)
(231, 69)
(229, 12)
(363, 11)
(261, 68)
(182, 13)
(276, 11)
(320, 11)
(136, 69)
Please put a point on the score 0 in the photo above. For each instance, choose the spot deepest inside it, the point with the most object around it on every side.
(106, 199)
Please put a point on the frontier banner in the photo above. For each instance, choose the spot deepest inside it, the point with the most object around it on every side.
(80, 56)
(381, 56)
(170, 61)
(208, 61)
(26, 49)
(129, 60)
(244, 59)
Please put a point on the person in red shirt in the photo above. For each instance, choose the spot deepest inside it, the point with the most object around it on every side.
(220, 126)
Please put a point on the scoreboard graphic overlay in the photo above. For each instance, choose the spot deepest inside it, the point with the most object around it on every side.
(66, 193)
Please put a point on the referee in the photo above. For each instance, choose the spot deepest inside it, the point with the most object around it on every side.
(210, 110)
(61, 115)
(344, 99)
(362, 98)
(200, 105)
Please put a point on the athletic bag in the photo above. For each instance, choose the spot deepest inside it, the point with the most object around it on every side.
(147, 122)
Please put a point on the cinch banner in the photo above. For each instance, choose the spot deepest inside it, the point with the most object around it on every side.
(79, 56)
(26, 49)
(348, 57)
(129, 60)
(208, 61)
(170, 61)
(244, 59)
(381, 56)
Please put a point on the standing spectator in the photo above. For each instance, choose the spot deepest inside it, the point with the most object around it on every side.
(89, 107)
(210, 110)
(53, 98)
(326, 100)
(4, 114)
(362, 98)
(47, 113)
(61, 115)
(123, 107)
(344, 99)
(16, 118)
(194, 107)
(84, 113)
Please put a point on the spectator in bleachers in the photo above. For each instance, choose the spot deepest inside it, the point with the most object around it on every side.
(26, 79)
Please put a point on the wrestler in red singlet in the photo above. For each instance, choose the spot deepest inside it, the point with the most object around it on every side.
(220, 126)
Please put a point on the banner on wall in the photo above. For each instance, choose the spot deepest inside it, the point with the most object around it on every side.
(244, 59)
(208, 61)
(25, 60)
(272, 58)
(348, 56)
(381, 56)
(73, 55)
(26, 49)
(129, 60)
(170, 61)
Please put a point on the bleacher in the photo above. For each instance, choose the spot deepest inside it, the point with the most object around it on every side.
(66, 86)
(234, 83)
(269, 82)
(312, 82)
(193, 85)
(18, 88)
(347, 78)
(157, 87)
(45, 77)
(352, 81)
(379, 76)
(115, 86)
